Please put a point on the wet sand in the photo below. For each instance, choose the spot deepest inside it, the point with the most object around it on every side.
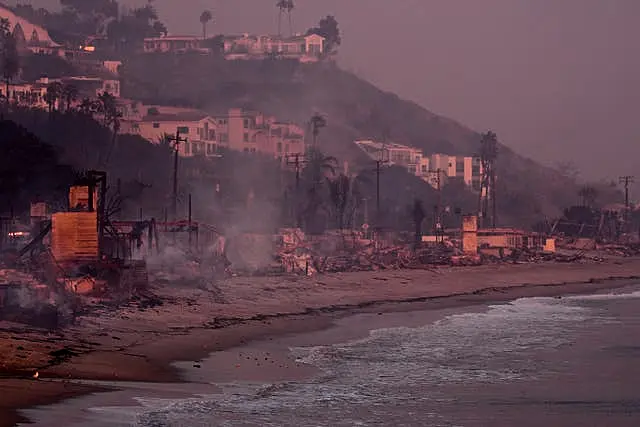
(138, 343)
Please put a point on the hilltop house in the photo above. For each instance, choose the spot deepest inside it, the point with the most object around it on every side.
(304, 48)
(29, 36)
(238, 130)
(174, 44)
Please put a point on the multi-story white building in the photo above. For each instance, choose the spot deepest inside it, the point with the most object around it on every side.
(305, 48)
(429, 168)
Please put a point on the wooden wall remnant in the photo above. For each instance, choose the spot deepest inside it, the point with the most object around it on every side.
(74, 236)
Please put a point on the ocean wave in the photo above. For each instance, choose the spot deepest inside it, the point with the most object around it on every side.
(604, 297)
(393, 368)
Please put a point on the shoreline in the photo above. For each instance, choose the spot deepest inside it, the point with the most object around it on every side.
(152, 358)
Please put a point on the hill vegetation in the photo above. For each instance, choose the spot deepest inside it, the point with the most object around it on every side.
(355, 109)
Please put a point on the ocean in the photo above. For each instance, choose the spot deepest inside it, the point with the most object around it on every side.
(570, 361)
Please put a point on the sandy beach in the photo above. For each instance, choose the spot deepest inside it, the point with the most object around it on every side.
(139, 342)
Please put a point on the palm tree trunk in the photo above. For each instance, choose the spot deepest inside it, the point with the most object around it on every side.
(280, 23)
(204, 31)
(290, 25)
(8, 98)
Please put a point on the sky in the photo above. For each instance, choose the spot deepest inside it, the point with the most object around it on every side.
(557, 80)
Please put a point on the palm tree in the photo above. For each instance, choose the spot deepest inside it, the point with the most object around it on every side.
(110, 118)
(290, 6)
(205, 18)
(282, 6)
(316, 176)
(69, 95)
(317, 122)
(52, 97)
(9, 59)
(285, 6)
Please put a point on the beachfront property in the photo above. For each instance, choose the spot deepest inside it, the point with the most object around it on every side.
(209, 135)
(430, 168)
(304, 48)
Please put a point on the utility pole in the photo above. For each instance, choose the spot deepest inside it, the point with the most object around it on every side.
(174, 201)
(437, 222)
(626, 180)
(379, 164)
(297, 162)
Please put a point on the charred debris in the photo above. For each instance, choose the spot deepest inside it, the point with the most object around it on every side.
(59, 264)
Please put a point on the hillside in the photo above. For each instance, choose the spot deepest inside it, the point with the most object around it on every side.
(355, 109)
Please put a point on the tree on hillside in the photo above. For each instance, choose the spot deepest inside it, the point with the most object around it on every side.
(92, 7)
(318, 122)
(9, 58)
(69, 95)
(89, 107)
(205, 18)
(29, 169)
(53, 95)
(328, 28)
(128, 32)
(346, 195)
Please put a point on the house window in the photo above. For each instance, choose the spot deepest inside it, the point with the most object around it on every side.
(253, 150)
(186, 148)
(279, 147)
(156, 125)
(246, 123)
(286, 148)
(222, 121)
(184, 130)
(223, 137)
(212, 134)
(246, 137)
(460, 167)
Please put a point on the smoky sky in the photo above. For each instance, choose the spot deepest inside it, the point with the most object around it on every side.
(558, 80)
